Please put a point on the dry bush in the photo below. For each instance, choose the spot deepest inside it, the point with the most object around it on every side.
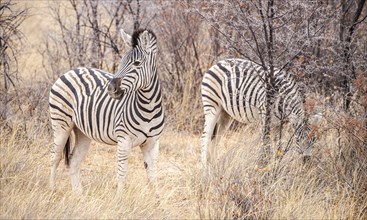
(11, 44)
(186, 52)
(28, 103)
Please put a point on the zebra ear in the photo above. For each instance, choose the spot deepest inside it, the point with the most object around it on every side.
(145, 41)
(127, 38)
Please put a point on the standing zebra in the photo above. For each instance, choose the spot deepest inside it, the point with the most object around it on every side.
(235, 88)
(129, 113)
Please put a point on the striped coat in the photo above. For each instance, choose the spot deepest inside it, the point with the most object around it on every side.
(235, 89)
(124, 109)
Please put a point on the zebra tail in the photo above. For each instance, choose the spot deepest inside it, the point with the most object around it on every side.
(215, 131)
(67, 152)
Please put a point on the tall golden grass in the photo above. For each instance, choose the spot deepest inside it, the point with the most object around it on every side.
(25, 167)
(332, 186)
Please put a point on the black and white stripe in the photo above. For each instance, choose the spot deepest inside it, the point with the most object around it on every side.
(124, 109)
(235, 89)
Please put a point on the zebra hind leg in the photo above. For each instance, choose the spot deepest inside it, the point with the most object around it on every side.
(61, 139)
(211, 120)
(221, 127)
(80, 150)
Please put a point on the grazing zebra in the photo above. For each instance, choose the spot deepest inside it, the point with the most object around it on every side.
(235, 89)
(124, 109)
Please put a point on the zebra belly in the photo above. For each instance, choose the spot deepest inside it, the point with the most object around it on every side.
(110, 137)
(97, 130)
(243, 114)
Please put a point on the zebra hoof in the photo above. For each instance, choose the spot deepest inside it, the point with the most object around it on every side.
(306, 159)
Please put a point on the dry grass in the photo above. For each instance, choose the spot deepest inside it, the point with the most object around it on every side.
(234, 188)
(25, 171)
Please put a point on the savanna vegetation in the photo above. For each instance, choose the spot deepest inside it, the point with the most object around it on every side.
(323, 43)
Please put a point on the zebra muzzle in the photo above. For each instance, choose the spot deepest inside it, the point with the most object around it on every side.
(114, 89)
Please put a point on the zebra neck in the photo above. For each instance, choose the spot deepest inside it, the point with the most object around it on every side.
(152, 94)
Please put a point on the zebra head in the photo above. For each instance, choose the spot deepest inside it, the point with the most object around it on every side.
(138, 66)
(305, 140)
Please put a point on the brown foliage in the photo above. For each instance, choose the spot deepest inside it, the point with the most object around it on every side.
(361, 85)
(310, 104)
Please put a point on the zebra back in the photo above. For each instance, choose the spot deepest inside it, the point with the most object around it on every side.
(238, 86)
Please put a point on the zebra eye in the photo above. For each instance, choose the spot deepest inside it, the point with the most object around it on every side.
(137, 63)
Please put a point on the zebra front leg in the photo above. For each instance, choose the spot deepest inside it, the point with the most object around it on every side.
(123, 153)
(265, 154)
(278, 140)
(80, 150)
(150, 151)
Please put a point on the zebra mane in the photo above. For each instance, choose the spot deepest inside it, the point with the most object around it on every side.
(136, 34)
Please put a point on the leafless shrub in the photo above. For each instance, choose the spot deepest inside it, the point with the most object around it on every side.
(86, 34)
(186, 53)
(10, 40)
